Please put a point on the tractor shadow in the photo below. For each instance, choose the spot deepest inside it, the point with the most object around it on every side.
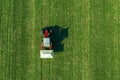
(57, 35)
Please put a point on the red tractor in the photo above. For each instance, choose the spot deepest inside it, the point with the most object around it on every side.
(46, 45)
(46, 42)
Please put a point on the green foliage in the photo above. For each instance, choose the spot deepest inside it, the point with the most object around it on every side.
(91, 50)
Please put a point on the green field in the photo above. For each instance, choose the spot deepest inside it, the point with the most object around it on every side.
(91, 50)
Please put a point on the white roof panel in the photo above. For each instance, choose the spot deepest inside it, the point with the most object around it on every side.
(46, 42)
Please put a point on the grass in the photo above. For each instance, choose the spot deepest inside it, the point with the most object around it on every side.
(91, 50)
